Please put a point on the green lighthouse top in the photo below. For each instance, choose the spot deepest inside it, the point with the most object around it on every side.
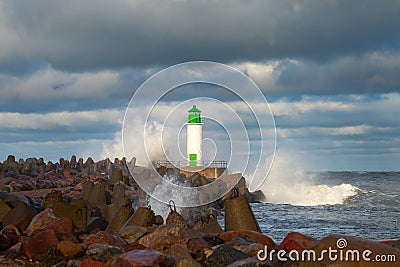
(194, 115)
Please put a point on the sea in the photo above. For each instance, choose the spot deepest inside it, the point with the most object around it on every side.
(361, 204)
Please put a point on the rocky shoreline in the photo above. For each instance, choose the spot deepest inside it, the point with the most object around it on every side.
(85, 213)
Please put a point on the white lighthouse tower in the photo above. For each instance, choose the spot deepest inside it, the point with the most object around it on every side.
(194, 128)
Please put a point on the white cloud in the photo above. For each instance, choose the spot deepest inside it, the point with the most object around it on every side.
(72, 120)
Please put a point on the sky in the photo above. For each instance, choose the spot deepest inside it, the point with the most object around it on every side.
(329, 70)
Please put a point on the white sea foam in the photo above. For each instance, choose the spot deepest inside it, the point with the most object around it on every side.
(289, 184)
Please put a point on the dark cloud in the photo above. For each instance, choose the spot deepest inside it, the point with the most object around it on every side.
(76, 35)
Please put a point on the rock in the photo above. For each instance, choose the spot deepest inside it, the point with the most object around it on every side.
(347, 245)
(12, 232)
(4, 209)
(158, 220)
(296, 241)
(104, 238)
(223, 256)
(132, 233)
(258, 237)
(92, 263)
(136, 258)
(87, 188)
(20, 216)
(196, 246)
(70, 249)
(178, 250)
(96, 223)
(162, 230)
(41, 220)
(121, 217)
(251, 250)
(60, 226)
(36, 246)
(108, 254)
(5, 242)
(73, 263)
(252, 261)
(185, 262)
(171, 245)
(52, 257)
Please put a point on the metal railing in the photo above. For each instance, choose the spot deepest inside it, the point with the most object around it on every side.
(196, 164)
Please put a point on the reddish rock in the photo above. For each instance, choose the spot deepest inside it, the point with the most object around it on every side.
(62, 225)
(163, 242)
(41, 220)
(5, 242)
(78, 187)
(258, 237)
(39, 243)
(132, 233)
(303, 240)
(12, 233)
(137, 258)
(178, 251)
(251, 249)
(104, 238)
(162, 230)
(20, 216)
(15, 248)
(134, 247)
(92, 263)
(253, 261)
(70, 249)
(291, 244)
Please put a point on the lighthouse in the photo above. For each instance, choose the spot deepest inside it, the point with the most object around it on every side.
(194, 128)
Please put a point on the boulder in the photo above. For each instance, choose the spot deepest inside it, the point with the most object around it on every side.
(108, 254)
(223, 256)
(296, 241)
(12, 232)
(20, 216)
(137, 258)
(5, 242)
(41, 220)
(104, 238)
(92, 263)
(70, 249)
(252, 261)
(36, 246)
(258, 237)
(4, 209)
(185, 262)
(196, 246)
(132, 233)
(96, 223)
(162, 230)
